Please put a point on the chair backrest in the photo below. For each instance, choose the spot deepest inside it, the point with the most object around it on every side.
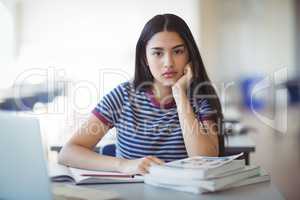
(109, 150)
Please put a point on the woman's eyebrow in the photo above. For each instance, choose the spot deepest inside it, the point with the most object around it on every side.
(157, 48)
(177, 46)
(160, 48)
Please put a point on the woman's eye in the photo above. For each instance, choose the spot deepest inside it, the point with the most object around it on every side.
(179, 51)
(157, 53)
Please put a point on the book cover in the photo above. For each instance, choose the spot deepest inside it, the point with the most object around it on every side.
(198, 167)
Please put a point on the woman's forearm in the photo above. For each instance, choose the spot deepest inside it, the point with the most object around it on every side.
(81, 157)
(197, 139)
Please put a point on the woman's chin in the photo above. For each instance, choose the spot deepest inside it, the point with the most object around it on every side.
(169, 83)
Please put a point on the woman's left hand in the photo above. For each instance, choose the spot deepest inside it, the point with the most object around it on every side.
(183, 82)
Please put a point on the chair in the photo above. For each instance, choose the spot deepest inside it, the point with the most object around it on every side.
(108, 150)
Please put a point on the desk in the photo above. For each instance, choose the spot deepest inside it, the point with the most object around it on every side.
(233, 145)
(139, 191)
(23, 97)
(240, 143)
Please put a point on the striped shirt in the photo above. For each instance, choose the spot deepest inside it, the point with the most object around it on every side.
(144, 127)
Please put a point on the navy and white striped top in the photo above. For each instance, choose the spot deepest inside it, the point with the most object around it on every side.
(144, 127)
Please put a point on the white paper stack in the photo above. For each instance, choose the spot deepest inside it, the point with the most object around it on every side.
(205, 174)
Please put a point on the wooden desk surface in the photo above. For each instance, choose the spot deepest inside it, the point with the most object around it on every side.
(139, 191)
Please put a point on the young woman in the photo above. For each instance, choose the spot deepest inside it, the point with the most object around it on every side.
(169, 111)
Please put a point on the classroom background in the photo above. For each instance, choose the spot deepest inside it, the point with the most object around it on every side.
(59, 57)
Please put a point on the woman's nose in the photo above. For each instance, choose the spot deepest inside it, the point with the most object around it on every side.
(168, 60)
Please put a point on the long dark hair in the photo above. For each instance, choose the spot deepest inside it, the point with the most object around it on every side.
(200, 85)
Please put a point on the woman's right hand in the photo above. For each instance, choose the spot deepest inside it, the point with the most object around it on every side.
(139, 166)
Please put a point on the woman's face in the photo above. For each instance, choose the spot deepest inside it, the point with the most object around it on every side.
(167, 55)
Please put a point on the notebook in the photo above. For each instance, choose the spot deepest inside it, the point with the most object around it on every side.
(61, 173)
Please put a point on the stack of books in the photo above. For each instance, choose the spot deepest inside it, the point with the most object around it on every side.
(205, 174)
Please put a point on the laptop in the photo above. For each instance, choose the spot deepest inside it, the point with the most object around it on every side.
(23, 169)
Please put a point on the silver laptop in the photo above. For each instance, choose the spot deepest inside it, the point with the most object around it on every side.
(23, 171)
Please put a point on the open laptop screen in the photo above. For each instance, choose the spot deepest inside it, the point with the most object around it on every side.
(23, 171)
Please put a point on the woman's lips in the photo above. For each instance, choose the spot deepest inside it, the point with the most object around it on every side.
(169, 74)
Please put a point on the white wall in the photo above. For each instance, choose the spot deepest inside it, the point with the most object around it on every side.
(83, 36)
(297, 32)
(247, 37)
(7, 33)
